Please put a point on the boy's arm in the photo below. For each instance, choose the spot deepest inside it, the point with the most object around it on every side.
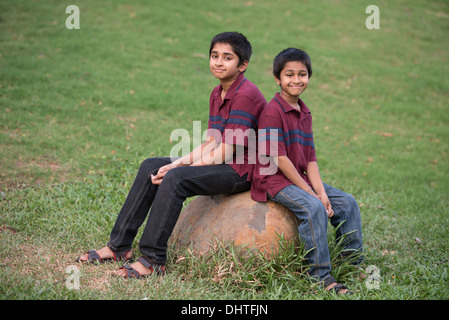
(313, 173)
(186, 160)
(223, 153)
(205, 148)
(208, 153)
(289, 170)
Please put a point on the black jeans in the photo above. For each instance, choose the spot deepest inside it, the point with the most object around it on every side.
(166, 202)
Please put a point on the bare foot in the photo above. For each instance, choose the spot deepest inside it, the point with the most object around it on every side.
(104, 253)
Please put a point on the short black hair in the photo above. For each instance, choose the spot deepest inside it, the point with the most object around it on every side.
(240, 45)
(291, 54)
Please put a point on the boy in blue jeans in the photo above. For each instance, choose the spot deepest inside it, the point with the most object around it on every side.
(214, 167)
(286, 139)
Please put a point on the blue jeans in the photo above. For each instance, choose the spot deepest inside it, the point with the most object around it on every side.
(166, 202)
(313, 229)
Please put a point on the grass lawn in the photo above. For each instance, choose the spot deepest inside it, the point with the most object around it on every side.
(81, 108)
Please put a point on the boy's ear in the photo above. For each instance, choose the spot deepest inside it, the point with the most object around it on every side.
(278, 81)
(243, 66)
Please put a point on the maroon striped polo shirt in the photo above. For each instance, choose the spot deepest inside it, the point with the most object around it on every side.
(283, 131)
(234, 120)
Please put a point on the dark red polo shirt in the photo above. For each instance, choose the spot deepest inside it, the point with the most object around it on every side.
(283, 131)
(235, 120)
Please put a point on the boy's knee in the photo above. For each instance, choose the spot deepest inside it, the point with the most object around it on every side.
(147, 166)
(316, 206)
(173, 177)
(350, 201)
(317, 209)
(151, 165)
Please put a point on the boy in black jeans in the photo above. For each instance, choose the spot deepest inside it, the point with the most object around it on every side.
(212, 168)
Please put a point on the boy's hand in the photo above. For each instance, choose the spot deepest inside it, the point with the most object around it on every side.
(327, 204)
(157, 179)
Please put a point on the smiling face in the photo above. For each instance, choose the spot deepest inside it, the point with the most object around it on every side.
(294, 79)
(224, 63)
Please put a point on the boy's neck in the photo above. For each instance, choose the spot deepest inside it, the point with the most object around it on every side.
(225, 85)
(291, 100)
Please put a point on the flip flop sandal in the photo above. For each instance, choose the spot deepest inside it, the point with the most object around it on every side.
(147, 263)
(93, 257)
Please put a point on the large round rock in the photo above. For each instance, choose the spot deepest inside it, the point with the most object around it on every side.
(234, 218)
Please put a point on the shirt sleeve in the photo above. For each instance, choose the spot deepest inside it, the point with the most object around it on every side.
(210, 122)
(271, 134)
(312, 157)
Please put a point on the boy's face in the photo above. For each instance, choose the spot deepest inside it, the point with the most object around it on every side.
(224, 63)
(294, 79)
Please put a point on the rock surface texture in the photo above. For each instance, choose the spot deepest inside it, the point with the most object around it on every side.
(234, 218)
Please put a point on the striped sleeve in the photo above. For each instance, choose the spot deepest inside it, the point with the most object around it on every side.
(272, 138)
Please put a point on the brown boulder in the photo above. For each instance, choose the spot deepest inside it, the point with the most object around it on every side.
(234, 218)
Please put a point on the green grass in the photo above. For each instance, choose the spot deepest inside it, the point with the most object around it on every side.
(80, 109)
